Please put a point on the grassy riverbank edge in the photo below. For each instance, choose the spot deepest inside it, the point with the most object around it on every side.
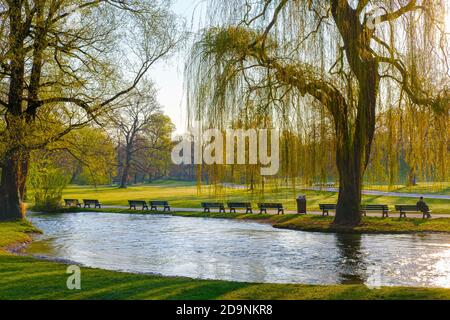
(310, 223)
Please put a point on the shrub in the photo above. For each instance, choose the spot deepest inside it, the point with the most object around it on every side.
(48, 184)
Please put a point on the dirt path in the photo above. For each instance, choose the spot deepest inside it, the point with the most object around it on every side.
(389, 194)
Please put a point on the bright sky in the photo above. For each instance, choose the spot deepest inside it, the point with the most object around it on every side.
(168, 75)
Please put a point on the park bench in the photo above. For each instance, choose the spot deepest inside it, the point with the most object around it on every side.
(324, 185)
(240, 205)
(403, 209)
(326, 208)
(72, 203)
(207, 206)
(89, 203)
(137, 203)
(155, 204)
(264, 206)
(375, 208)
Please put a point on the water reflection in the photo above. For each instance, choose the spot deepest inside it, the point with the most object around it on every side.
(351, 264)
(241, 251)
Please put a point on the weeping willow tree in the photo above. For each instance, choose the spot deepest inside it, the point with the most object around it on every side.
(331, 61)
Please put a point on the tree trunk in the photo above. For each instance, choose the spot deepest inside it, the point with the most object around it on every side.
(11, 188)
(126, 170)
(124, 178)
(348, 211)
(412, 177)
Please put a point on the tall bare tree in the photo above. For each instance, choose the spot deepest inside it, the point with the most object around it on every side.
(65, 63)
(288, 56)
(133, 121)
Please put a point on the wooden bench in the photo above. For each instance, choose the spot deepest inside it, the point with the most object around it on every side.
(72, 203)
(377, 208)
(89, 203)
(240, 205)
(326, 208)
(264, 206)
(207, 206)
(137, 203)
(155, 204)
(403, 209)
(325, 184)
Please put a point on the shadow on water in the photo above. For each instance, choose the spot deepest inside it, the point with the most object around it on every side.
(351, 264)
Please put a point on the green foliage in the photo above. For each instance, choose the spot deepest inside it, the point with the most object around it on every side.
(91, 156)
(48, 183)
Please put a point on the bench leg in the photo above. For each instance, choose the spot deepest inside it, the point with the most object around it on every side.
(167, 208)
(402, 215)
(249, 210)
(153, 208)
(325, 213)
(222, 210)
(364, 213)
(280, 211)
(232, 210)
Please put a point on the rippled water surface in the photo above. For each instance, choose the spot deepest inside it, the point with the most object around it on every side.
(242, 251)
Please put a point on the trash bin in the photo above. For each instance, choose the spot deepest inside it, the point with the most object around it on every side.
(301, 204)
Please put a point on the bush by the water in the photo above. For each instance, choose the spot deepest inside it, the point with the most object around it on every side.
(48, 184)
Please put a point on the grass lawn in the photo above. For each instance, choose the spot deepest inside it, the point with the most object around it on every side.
(423, 187)
(369, 225)
(28, 278)
(15, 234)
(187, 195)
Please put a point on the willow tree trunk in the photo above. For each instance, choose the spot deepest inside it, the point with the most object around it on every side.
(353, 151)
(348, 211)
(355, 139)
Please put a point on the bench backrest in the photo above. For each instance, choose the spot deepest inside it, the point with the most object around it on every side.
(383, 207)
(212, 205)
(159, 203)
(407, 207)
(71, 201)
(327, 206)
(271, 205)
(91, 201)
(131, 202)
(239, 205)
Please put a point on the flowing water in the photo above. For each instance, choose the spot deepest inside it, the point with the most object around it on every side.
(241, 251)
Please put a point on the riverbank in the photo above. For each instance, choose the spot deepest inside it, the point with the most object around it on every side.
(311, 223)
(29, 278)
(15, 235)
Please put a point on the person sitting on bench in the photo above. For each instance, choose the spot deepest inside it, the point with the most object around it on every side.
(423, 207)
